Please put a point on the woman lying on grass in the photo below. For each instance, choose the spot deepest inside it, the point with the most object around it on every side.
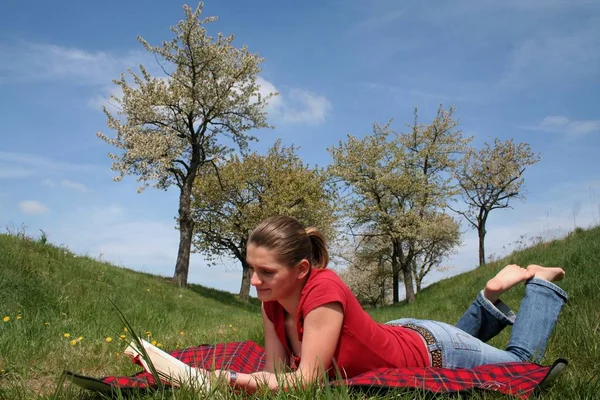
(312, 320)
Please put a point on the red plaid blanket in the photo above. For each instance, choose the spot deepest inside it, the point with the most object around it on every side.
(516, 379)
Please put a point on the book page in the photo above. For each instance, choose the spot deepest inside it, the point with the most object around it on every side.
(173, 371)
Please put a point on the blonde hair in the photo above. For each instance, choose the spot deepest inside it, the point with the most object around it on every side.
(291, 242)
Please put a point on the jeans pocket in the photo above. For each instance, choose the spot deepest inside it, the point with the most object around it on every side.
(459, 339)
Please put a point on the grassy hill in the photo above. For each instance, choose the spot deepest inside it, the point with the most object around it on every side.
(48, 293)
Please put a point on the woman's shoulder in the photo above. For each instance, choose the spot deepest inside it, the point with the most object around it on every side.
(323, 276)
(324, 286)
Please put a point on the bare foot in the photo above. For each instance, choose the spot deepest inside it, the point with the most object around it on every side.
(551, 274)
(509, 276)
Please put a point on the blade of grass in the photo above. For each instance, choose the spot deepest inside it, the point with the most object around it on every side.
(59, 386)
(140, 346)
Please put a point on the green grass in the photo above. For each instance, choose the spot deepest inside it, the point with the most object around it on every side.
(55, 292)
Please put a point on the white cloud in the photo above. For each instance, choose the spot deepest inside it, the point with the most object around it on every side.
(11, 171)
(33, 62)
(562, 124)
(378, 20)
(32, 207)
(553, 55)
(466, 93)
(74, 185)
(305, 107)
(99, 101)
(539, 4)
(295, 106)
(266, 88)
(23, 164)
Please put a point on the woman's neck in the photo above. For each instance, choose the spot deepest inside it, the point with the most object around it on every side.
(290, 303)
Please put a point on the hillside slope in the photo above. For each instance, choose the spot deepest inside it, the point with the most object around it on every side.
(47, 293)
(577, 335)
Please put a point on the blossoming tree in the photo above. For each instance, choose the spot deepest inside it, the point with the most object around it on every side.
(249, 189)
(396, 184)
(489, 179)
(168, 127)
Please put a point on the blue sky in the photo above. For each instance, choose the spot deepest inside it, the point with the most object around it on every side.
(522, 69)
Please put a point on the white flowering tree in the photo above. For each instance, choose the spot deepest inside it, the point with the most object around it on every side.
(168, 127)
(249, 189)
(437, 242)
(489, 179)
(395, 185)
(365, 265)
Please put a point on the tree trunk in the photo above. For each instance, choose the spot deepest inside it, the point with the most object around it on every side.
(245, 287)
(405, 264)
(417, 276)
(408, 283)
(481, 232)
(396, 286)
(186, 230)
(395, 274)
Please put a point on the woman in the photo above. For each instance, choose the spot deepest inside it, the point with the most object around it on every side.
(312, 320)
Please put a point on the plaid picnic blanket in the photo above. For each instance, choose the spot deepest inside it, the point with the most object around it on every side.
(518, 379)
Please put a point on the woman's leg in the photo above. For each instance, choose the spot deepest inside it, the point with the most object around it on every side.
(538, 313)
(488, 315)
(532, 328)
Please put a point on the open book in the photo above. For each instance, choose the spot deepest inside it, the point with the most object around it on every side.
(170, 369)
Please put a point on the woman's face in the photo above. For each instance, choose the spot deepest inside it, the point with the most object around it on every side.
(273, 281)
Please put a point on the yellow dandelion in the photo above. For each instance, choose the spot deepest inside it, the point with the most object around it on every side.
(123, 337)
(108, 339)
(153, 342)
(80, 338)
(231, 326)
(47, 323)
(19, 316)
(158, 344)
(6, 319)
(67, 335)
(117, 354)
(125, 329)
(148, 333)
(181, 333)
(147, 289)
(73, 342)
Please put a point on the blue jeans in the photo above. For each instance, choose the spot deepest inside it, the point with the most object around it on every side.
(462, 346)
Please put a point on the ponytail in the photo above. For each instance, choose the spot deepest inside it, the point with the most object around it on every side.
(320, 254)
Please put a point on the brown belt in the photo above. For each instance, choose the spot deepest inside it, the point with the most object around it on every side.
(436, 355)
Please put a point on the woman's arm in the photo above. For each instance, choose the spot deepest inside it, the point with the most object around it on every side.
(322, 329)
(276, 356)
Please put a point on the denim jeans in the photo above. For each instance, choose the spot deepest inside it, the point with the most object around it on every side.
(463, 345)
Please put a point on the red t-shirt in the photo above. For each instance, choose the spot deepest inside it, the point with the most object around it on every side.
(364, 344)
